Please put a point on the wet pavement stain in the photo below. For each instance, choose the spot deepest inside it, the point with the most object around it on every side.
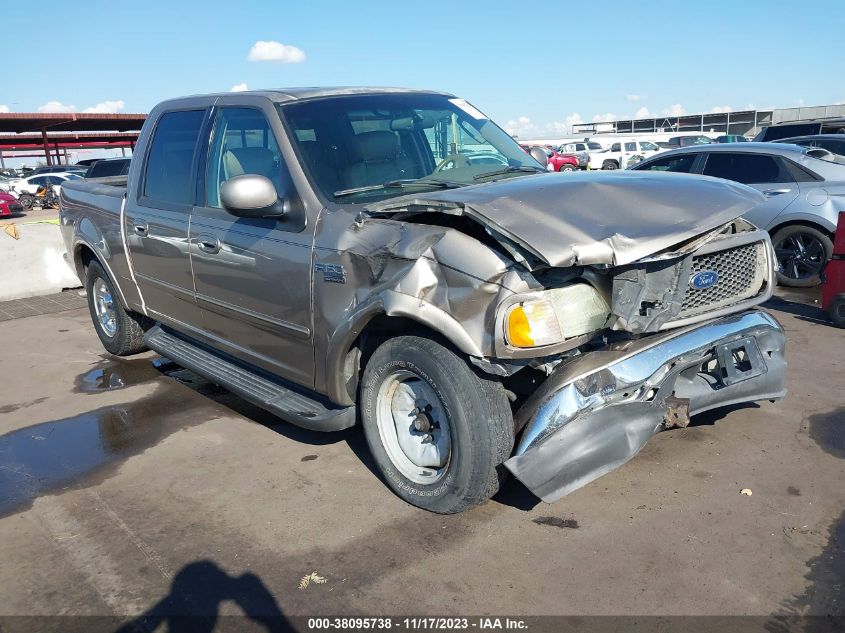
(557, 522)
(52, 456)
(828, 431)
(308, 458)
(10, 408)
(117, 374)
(792, 491)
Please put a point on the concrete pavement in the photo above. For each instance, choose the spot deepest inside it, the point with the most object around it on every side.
(128, 484)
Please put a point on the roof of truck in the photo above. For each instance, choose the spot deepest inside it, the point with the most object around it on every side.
(296, 94)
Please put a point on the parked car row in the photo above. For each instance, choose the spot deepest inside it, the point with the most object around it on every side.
(804, 193)
(44, 183)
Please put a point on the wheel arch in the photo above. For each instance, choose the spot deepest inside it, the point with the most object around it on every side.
(83, 254)
(798, 221)
(388, 314)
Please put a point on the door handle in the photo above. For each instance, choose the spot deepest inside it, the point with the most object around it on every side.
(775, 192)
(140, 229)
(208, 244)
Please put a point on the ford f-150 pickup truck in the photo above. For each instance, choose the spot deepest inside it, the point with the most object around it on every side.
(337, 257)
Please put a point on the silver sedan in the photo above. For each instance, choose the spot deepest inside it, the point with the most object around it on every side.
(804, 195)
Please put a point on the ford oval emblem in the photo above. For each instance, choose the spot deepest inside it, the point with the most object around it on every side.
(704, 279)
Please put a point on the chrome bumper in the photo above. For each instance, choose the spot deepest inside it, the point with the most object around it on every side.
(598, 410)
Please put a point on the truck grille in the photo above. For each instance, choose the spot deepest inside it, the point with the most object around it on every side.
(742, 275)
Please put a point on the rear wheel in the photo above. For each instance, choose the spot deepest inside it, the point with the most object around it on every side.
(837, 311)
(437, 431)
(801, 253)
(121, 331)
(609, 165)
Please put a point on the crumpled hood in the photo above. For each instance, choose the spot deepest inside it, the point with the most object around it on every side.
(595, 218)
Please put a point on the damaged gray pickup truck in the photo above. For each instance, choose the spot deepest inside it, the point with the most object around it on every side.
(394, 257)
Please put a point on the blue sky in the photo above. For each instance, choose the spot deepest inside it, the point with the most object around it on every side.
(533, 66)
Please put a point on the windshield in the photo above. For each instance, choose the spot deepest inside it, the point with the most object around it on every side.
(419, 140)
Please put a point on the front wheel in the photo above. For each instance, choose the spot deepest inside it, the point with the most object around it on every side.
(567, 167)
(26, 201)
(801, 253)
(121, 331)
(438, 431)
(609, 165)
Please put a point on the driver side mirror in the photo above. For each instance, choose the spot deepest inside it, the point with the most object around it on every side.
(252, 196)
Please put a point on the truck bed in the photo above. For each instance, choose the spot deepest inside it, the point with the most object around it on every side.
(101, 194)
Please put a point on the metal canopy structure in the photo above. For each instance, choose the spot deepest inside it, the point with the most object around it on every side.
(53, 133)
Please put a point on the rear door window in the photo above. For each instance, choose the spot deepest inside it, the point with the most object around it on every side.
(169, 174)
(682, 164)
(745, 168)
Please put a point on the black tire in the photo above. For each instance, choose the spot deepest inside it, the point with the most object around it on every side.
(609, 165)
(837, 311)
(479, 418)
(26, 200)
(818, 248)
(566, 167)
(128, 337)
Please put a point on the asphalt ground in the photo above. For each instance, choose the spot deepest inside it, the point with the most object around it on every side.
(134, 489)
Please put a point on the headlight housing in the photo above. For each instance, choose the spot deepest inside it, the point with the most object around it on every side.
(552, 316)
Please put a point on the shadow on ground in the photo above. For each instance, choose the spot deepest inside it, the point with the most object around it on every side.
(193, 603)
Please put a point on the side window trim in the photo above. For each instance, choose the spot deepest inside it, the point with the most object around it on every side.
(143, 200)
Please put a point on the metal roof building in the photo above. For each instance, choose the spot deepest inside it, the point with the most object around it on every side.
(52, 134)
(739, 122)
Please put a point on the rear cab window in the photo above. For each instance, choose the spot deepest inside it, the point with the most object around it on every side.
(169, 173)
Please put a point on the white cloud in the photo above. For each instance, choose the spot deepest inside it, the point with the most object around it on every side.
(604, 118)
(270, 51)
(574, 119)
(520, 126)
(799, 102)
(635, 97)
(721, 109)
(241, 87)
(107, 107)
(56, 106)
(4, 108)
(674, 110)
(642, 113)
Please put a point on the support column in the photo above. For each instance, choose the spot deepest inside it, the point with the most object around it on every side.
(2, 160)
(46, 147)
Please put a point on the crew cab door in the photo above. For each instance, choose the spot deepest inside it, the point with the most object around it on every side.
(763, 172)
(157, 215)
(252, 275)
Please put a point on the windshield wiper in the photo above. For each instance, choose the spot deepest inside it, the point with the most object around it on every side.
(400, 184)
(528, 169)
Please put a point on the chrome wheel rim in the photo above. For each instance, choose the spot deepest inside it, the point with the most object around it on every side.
(413, 427)
(104, 308)
(800, 255)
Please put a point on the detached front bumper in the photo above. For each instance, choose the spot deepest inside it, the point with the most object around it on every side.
(598, 410)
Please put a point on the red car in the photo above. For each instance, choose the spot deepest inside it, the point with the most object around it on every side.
(9, 205)
(555, 161)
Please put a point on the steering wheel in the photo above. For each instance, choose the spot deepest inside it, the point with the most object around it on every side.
(459, 160)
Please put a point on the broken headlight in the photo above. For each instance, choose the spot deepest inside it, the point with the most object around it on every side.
(555, 315)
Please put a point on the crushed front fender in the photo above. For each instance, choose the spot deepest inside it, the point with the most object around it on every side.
(598, 410)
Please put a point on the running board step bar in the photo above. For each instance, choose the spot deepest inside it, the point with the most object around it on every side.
(292, 406)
